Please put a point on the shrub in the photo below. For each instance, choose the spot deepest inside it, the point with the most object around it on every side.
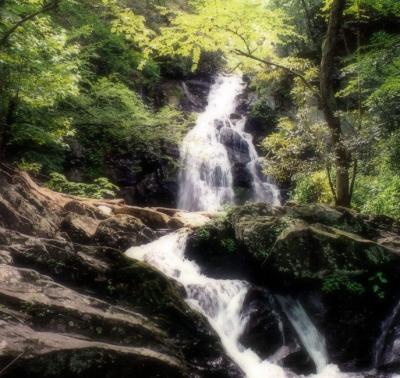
(313, 188)
(378, 194)
(100, 188)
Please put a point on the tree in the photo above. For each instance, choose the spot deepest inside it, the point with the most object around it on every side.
(329, 106)
(45, 8)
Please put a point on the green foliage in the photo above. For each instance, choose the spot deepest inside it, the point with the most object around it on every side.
(378, 282)
(313, 187)
(378, 194)
(202, 233)
(222, 26)
(111, 117)
(73, 74)
(375, 68)
(374, 284)
(229, 245)
(292, 149)
(29, 167)
(338, 282)
(100, 188)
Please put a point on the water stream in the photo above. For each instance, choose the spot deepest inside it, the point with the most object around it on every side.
(221, 301)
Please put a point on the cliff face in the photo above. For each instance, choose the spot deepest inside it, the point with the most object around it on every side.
(72, 305)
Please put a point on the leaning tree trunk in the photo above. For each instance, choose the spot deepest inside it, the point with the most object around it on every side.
(329, 106)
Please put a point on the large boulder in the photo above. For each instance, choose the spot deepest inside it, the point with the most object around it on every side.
(150, 217)
(79, 228)
(122, 231)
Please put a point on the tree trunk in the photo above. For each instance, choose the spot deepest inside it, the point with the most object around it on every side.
(329, 106)
(6, 121)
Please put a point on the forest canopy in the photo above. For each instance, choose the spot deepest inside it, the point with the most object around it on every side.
(102, 77)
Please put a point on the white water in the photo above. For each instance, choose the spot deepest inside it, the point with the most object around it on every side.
(386, 325)
(312, 340)
(221, 302)
(206, 181)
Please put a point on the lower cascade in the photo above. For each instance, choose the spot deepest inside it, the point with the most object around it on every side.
(221, 301)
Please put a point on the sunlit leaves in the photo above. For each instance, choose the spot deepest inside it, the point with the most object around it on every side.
(132, 26)
(225, 26)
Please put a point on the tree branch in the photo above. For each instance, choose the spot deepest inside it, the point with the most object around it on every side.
(45, 8)
(287, 69)
(353, 178)
(328, 171)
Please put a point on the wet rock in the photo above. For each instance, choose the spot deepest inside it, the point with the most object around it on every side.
(237, 147)
(270, 334)
(264, 329)
(235, 116)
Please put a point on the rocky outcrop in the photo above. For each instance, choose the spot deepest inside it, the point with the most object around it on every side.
(122, 231)
(71, 304)
(338, 263)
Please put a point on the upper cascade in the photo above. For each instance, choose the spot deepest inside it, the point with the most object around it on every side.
(206, 178)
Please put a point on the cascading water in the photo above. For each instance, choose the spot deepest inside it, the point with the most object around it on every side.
(206, 180)
(221, 301)
(381, 343)
(309, 335)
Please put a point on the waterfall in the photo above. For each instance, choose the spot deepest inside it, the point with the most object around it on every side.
(206, 180)
(385, 327)
(312, 340)
(221, 301)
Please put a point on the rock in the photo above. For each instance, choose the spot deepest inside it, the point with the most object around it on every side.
(79, 228)
(24, 209)
(235, 116)
(214, 247)
(43, 354)
(296, 250)
(150, 217)
(84, 209)
(145, 177)
(185, 219)
(122, 231)
(269, 333)
(263, 332)
(75, 333)
(5, 257)
(237, 147)
(122, 317)
(105, 273)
